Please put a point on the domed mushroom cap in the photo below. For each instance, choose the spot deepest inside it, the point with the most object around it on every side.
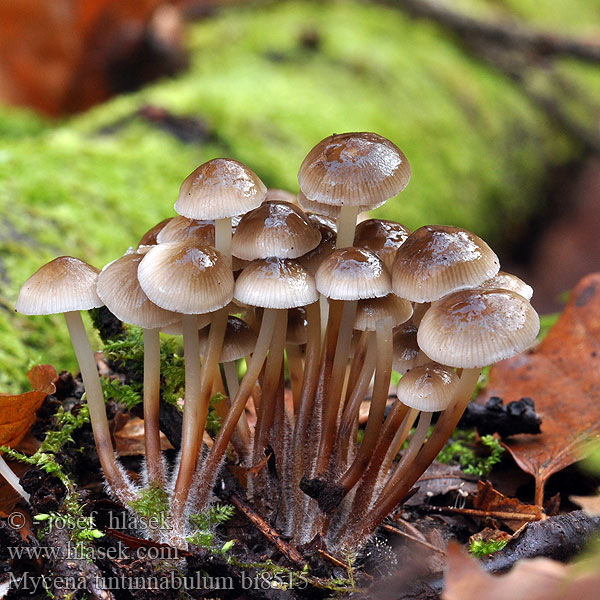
(239, 340)
(118, 287)
(274, 229)
(507, 281)
(219, 188)
(64, 284)
(277, 195)
(326, 226)
(405, 347)
(354, 169)
(372, 310)
(428, 388)
(477, 327)
(381, 237)
(150, 237)
(275, 283)
(352, 274)
(181, 228)
(186, 278)
(436, 260)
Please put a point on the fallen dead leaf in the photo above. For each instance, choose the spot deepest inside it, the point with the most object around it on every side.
(562, 377)
(17, 412)
(129, 440)
(490, 500)
(535, 579)
(591, 504)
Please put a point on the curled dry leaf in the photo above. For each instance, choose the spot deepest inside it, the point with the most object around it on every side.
(17, 412)
(562, 377)
(534, 579)
(590, 504)
(129, 440)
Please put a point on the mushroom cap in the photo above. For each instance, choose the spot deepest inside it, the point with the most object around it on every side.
(118, 287)
(219, 188)
(329, 210)
(436, 260)
(353, 168)
(277, 195)
(326, 226)
(186, 277)
(181, 228)
(372, 310)
(429, 387)
(64, 284)
(352, 274)
(275, 283)
(508, 281)
(239, 340)
(150, 237)
(406, 348)
(274, 229)
(477, 327)
(382, 237)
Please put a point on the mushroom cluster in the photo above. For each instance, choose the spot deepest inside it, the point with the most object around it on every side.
(263, 276)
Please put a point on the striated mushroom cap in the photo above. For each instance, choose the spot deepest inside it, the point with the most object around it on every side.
(436, 260)
(358, 169)
(372, 310)
(219, 188)
(381, 237)
(239, 340)
(429, 387)
(507, 281)
(477, 327)
(65, 284)
(405, 347)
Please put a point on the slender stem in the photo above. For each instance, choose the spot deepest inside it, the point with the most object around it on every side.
(324, 308)
(294, 361)
(358, 360)
(401, 435)
(233, 385)
(332, 395)
(223, 237)
(359, 527)
(12, 479)
(196, 404)
(154, 464)
(346, 224)
(116, 479)
(213, 460)
(381, 387)
(266, 412)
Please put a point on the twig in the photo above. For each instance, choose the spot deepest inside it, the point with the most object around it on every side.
(473, 512)
(332, 559)
(392, 529)
(265, 529)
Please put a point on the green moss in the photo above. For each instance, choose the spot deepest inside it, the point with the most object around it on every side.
(477, 147)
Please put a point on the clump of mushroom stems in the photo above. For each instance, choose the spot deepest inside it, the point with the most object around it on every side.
(327, 483)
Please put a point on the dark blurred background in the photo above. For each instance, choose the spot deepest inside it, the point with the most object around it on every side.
(106, 105)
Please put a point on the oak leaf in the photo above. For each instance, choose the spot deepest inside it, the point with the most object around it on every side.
(17, 412)
(562, 377)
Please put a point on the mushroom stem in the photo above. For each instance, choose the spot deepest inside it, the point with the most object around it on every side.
(223, 237)
(346, 225)
(266, 412)
(12, 479)
(196, 404)
(332, 394)
(154, 464)
(294, 362)
(213, 460)
(233, 385)
(362, 526)
(116, 479)
(383, 370)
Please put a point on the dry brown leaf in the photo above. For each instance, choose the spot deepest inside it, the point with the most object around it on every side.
(490, 500)
(129, 440)
(562, 377)
(17, 412)
(591, 504)
(535, 579)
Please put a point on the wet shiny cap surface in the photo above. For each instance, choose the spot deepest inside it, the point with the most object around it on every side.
(477, 327)
(429, 387)
(353, 274)
(219, 188)
(64, 284)
(436, 260)
(353, 168)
